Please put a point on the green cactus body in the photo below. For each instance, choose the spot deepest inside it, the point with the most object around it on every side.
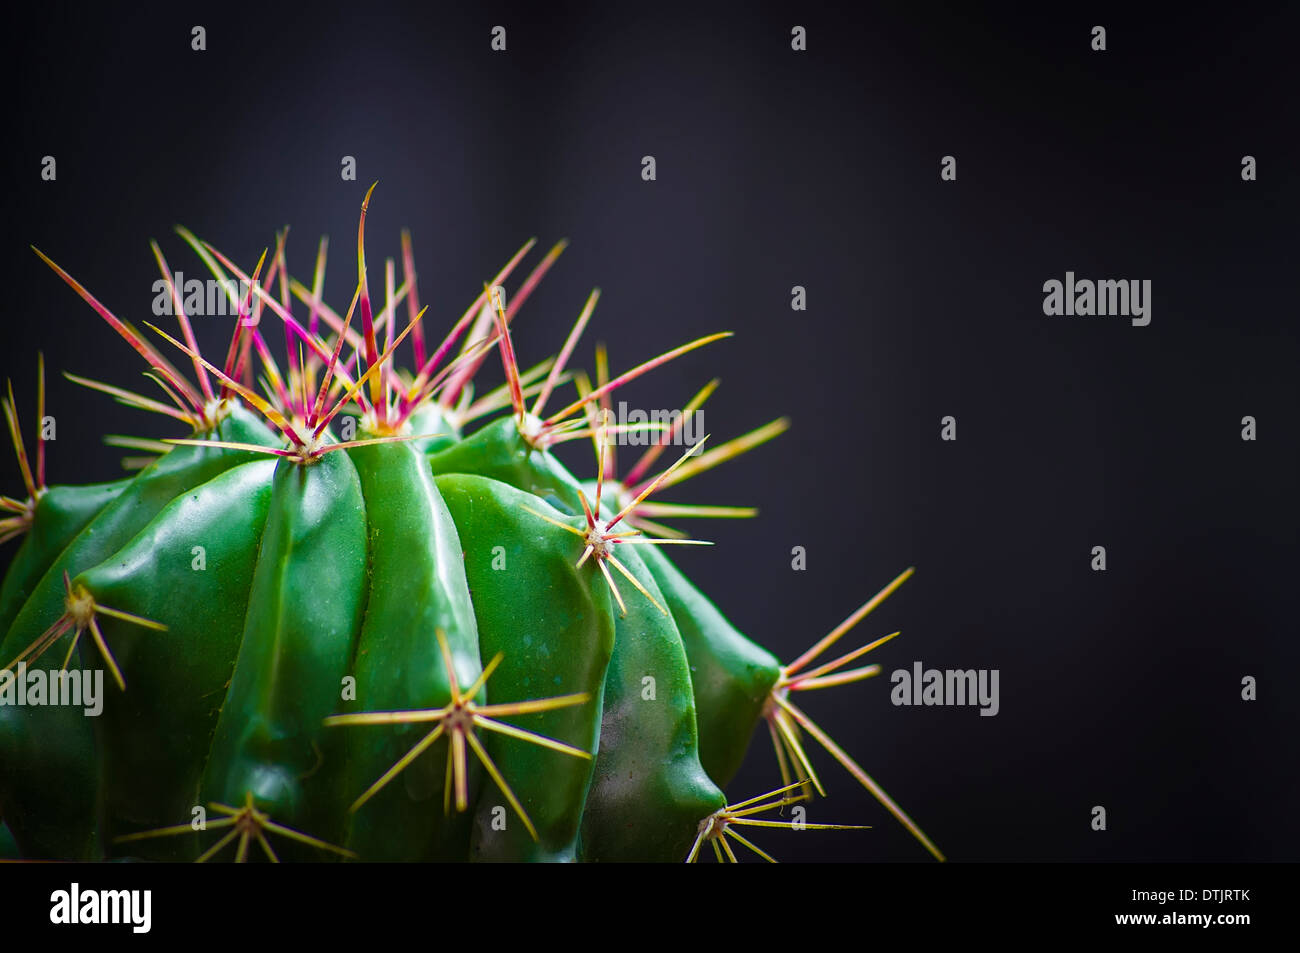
(650, 792)
(60, 514)
(156, 735)
(499, 451)
(49, 764)
(417, 587)
(127, 513)
(300, 633)
(412, 645)
(553, 626)
(731, 676)
(51, 783)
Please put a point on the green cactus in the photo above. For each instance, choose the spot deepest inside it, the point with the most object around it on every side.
(340, 622)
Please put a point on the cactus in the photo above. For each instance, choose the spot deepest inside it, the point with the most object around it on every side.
(346, 618)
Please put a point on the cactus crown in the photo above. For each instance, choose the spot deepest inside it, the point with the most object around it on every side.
(467, 591)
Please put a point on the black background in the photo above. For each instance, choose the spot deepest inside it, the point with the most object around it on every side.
(820, 169)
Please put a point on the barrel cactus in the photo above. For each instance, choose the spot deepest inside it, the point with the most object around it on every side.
(359, 612)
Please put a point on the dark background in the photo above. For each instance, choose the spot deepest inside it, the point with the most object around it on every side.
(821, 169)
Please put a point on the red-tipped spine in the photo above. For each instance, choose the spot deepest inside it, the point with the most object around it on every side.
(129, 334)
(412, 298)
(187, 332)
(367, 316)
(566, 352)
